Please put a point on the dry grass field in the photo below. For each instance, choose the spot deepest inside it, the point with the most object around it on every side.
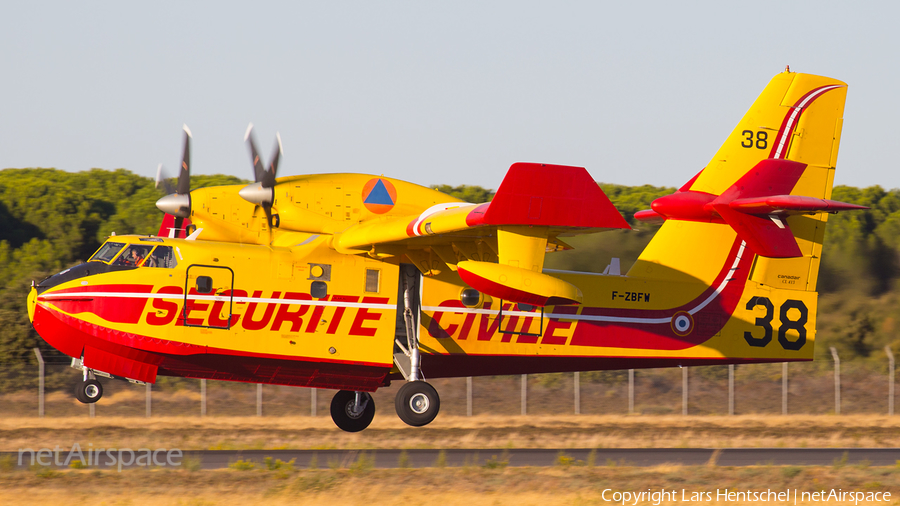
(474, 486)
(568, 483)
(539, 431)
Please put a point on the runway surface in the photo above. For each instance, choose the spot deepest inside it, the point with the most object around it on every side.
(513, 457)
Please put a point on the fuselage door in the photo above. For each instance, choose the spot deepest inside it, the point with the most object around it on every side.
(208, 287)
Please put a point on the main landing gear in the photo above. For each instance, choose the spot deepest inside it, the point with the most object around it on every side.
(417, 403)
(352, 411)
(88, 390)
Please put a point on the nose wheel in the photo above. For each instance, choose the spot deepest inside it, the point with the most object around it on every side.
(88, 391)
(417, 403)
(352, 411)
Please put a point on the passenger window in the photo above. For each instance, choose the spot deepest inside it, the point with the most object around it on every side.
(162, 256)
(133, 255)
(372, 280)
(107, 252)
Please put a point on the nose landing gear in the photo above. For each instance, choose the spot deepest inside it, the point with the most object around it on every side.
(88, 390)
(352, 411)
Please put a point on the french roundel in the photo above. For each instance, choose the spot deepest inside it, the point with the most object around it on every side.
(682, 323)
(379, 195)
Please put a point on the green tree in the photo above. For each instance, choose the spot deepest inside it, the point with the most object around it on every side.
(470, 194)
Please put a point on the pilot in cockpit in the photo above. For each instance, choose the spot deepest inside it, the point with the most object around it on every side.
(133, 256)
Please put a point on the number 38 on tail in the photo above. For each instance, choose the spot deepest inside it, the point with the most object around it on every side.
(352, 281)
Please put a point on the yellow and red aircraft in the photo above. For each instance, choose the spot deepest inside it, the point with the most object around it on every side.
(351, 281)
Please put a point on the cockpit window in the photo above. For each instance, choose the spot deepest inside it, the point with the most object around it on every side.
(162, 256)
(107, 252)
(134, 255)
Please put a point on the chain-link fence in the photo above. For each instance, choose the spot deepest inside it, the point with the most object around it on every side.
(820, 387)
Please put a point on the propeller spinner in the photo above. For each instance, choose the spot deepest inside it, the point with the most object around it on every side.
(262, 192)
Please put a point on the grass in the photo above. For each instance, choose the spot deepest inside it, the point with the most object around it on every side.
(241, 465)
(474, 486)
(356, 481)
(448, 432)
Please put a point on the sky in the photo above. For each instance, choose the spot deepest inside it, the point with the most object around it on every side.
(431, 92)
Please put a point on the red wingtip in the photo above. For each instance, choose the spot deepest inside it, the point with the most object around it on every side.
(552, 195)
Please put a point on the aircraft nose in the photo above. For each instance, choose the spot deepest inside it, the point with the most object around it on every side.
(256, 194)
(176, 204)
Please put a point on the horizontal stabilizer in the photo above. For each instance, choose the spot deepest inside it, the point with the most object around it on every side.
(790, 204)
(764, 236)
(755, 206)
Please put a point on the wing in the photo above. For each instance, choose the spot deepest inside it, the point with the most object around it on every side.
(498, 248)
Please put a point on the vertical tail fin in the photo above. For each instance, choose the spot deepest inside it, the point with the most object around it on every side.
(768, 186)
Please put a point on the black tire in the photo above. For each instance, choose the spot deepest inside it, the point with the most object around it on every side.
(342, 414)
(78, 393)
(88, 392)
(417, 403)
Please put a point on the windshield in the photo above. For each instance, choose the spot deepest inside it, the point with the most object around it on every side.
(107, 252)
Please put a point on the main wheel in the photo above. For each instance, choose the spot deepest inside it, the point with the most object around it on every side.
(417, 403)
(78, 393)
(89, 391)
(344, 415)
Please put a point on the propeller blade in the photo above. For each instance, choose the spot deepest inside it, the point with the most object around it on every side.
(268, 180)
(184, 175)
(162, 179)
(262, 192)
(258, 170)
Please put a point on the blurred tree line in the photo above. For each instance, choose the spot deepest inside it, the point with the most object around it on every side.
(51, 219)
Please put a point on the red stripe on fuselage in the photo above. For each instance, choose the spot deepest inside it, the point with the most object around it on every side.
(708, 321)
(111, 309)
(71, 336)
